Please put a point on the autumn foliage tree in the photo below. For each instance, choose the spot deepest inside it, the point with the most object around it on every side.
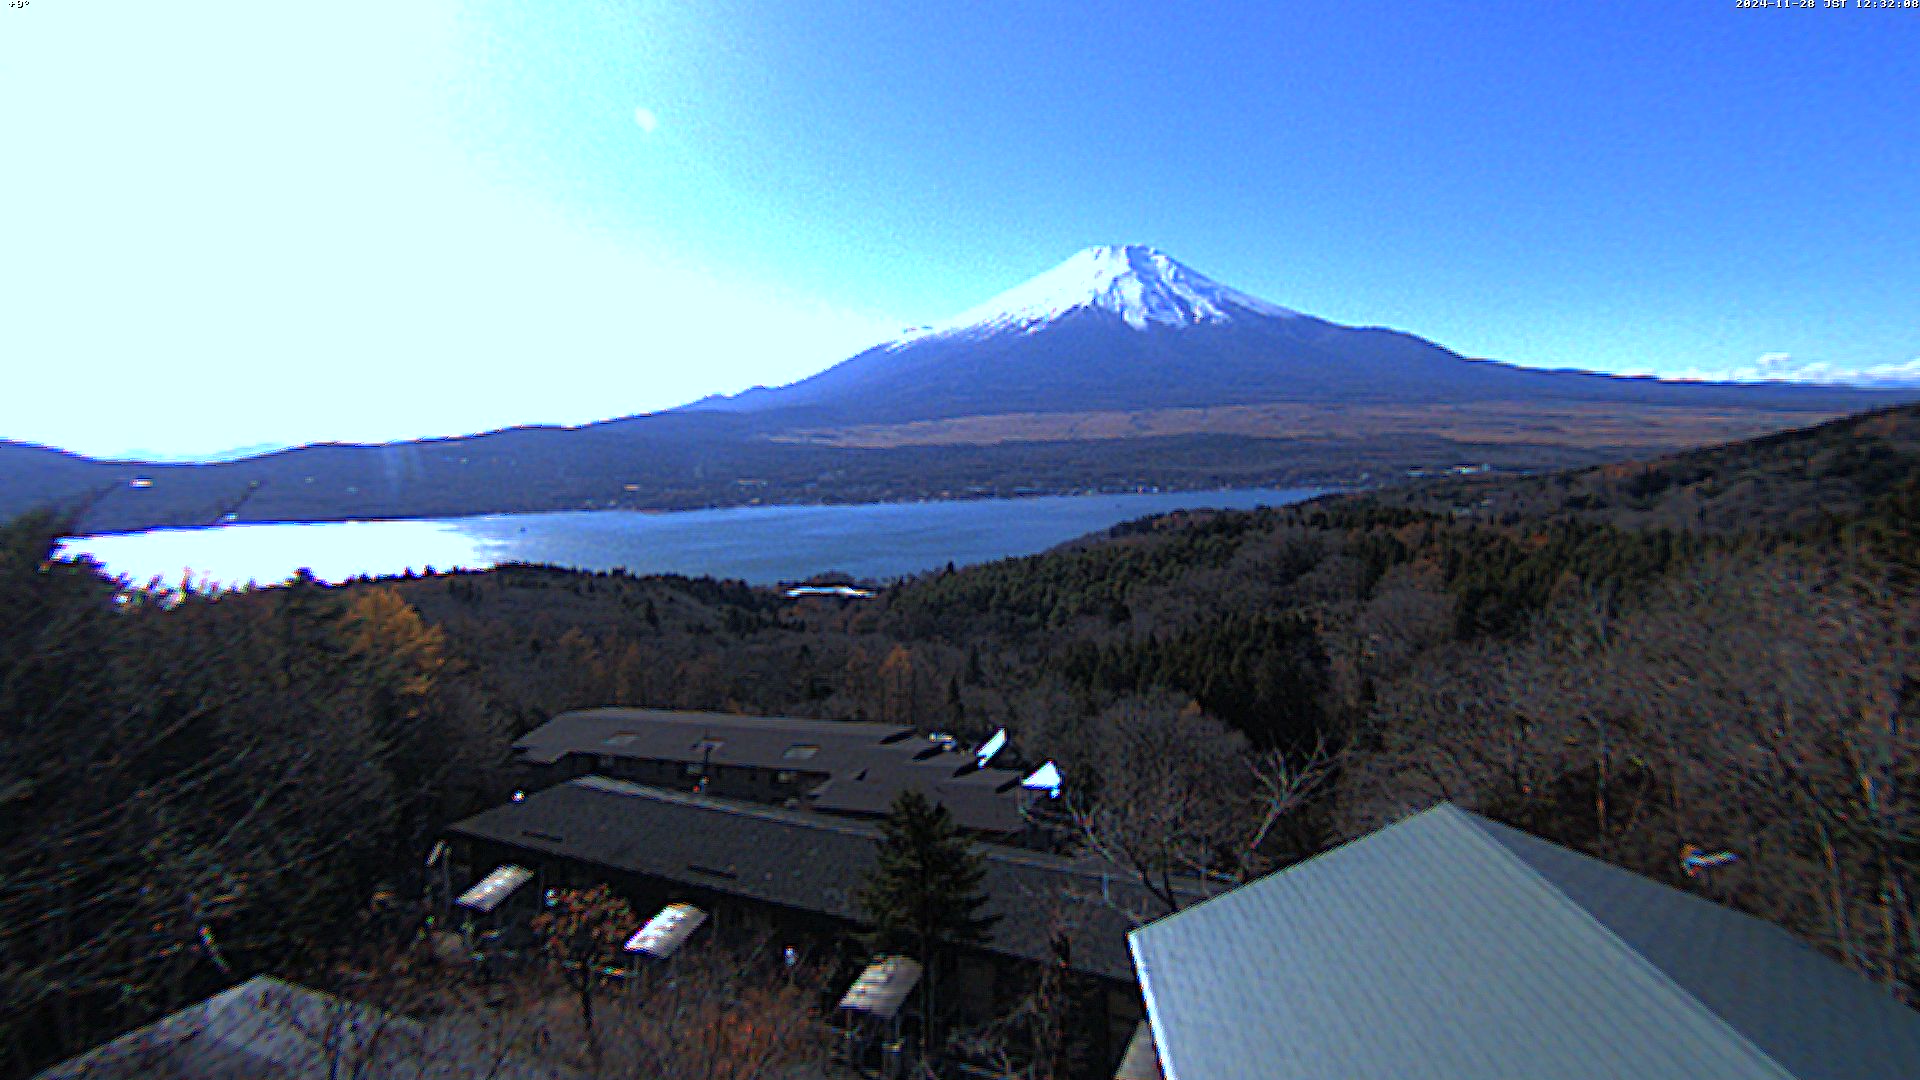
(899, 680)
(584, 931)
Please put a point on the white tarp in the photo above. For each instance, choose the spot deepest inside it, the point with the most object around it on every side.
(666, 932)
(881, 988)
(991, 747)
(489, 891)
(1045, 778)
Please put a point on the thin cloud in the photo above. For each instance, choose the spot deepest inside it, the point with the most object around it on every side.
(1785, 367)
(644, 117)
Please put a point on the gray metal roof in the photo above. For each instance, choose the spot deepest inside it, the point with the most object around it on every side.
(865, 764)
(804, 861)
(265, 1029)
(1447, 946)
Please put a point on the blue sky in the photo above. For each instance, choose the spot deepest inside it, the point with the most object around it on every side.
(227, 226)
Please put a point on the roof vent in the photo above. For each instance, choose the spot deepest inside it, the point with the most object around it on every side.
(1045, 778)
(991, 747)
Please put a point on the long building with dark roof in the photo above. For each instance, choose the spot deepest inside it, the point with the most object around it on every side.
(846, 767)
(799, 873)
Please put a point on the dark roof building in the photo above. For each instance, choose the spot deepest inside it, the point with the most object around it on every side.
(800, 861)
(848, 767)
(741, 740)
(1447, 946)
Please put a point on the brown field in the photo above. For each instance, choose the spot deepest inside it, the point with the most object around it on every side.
(1496, 423)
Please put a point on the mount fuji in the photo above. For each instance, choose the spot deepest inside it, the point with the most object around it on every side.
(1126, 329)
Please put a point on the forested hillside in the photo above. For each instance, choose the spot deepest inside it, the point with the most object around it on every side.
(1719, 649)
(1781, 482)
(1715, 649)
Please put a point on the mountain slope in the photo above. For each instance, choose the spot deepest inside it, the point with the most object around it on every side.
(1130, 328)
(1790, 480)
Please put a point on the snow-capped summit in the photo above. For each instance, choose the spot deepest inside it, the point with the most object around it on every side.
(1142, 285)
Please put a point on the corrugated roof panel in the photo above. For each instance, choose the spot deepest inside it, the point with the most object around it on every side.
(667, 931)
(882, 987)
(490, 891)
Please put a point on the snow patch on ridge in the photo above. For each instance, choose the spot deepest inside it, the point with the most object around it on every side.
(1142, 285)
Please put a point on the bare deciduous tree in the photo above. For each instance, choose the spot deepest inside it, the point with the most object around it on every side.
(1761, 705)
(1174, 798)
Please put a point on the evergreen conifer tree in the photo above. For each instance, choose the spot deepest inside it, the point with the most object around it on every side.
(924, 894)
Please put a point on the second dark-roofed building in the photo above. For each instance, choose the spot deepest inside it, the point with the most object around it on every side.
(847, 767)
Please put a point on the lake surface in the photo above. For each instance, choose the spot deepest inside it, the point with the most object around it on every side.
(760, 544)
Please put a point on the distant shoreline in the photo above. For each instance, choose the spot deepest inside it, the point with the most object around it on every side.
(1323, 488)
(763, 545)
